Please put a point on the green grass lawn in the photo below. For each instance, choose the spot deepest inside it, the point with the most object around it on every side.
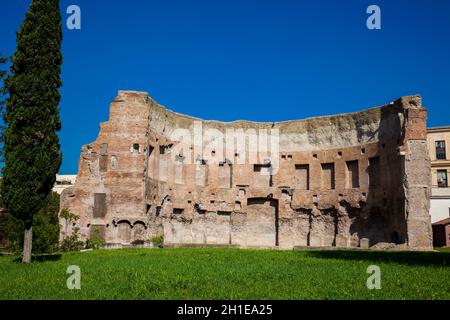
(228, 274)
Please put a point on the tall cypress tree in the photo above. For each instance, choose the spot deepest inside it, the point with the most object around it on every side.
(3, 61)
(31, 145)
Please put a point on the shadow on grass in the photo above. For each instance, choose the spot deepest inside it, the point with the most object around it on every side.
(42, 258)
(409, 258)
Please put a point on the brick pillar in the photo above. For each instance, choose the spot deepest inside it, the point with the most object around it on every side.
(417, 175)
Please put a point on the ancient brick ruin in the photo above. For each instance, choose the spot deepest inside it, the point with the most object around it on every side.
(350, 180)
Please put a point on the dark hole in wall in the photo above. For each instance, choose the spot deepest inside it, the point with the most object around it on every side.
(198, 210)
(260, 167)
(395, 237)
(165, 149)
(178, 211)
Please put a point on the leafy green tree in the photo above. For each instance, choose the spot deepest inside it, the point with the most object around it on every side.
(69, 218)
(95, 241)
(72, 242)
(3, 90)
(32, 154)
(45, 228)
(11, 232)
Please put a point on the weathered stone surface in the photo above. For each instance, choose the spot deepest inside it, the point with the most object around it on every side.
(350, 180)
(364, 243)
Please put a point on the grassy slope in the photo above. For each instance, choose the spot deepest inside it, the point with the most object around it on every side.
(229, 274)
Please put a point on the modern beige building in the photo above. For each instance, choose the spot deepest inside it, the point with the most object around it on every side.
(63, 182)
(438, 146)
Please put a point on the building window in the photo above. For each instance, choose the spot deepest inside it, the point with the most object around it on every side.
(136, 148)
(442, 178)
(440, 150)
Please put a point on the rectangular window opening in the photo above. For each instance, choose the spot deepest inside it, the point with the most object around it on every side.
(442, 178)
(440, 150)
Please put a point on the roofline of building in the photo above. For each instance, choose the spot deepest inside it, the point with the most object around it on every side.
(438, 129)
(443, 222)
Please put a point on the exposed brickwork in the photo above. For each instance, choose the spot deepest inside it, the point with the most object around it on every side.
(348, 180)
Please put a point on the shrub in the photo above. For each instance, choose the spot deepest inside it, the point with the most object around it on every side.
(45, 233)
(46, 226)
(69, 216)
(95, 241)
(158, 240)
(72, 242)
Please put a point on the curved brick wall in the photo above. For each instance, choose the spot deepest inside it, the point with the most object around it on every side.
(350, 180)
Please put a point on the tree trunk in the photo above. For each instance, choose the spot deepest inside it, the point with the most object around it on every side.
(27, 243)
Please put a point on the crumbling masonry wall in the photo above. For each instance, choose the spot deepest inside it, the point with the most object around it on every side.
(350, 180)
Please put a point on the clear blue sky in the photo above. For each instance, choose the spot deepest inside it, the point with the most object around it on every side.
(249, 59)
